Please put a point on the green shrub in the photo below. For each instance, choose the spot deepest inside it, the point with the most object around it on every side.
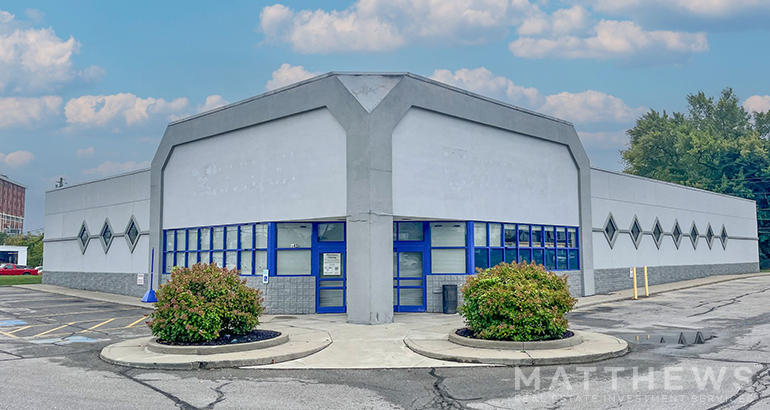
(516, 302)
(201, 303)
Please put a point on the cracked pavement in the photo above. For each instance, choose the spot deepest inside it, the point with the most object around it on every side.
(55, 370)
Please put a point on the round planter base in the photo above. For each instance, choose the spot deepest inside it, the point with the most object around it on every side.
(155, 347)
(573, 341)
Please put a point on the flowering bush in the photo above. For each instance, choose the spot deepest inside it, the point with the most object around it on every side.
(200, 303)
(516, 302)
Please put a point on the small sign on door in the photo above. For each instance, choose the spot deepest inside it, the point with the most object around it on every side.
(140, 278)
(332, 264)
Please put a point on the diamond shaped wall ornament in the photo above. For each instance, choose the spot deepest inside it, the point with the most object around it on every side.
(709, 236)
(106, 235)
(636, 232)
(610, 230)
(132, 233)
(657, 233)
(694, 235)
(83, 237)
(676, 233)
(723, 237)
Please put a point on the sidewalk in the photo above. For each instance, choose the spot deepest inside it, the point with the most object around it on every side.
(656, 289)
(582, 302)
(89, 294)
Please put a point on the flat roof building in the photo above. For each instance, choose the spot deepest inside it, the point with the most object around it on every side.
(365, 193)
(12, 197)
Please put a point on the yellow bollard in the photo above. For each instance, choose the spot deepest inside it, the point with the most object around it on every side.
(646, 283)
(636, 293)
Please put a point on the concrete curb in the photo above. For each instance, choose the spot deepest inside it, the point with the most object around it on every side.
(156, 347)
(595, 347)
(511, 345)
(134, 353)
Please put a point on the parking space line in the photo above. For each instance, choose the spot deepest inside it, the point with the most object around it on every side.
(95, 326)
(52, 306)
(54, 329)
(19, 329)
(74, 313)
(137, 321)
(8, 334)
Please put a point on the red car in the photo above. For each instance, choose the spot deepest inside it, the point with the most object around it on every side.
(13, 269)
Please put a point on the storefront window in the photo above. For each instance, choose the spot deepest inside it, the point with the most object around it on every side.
(447, 234)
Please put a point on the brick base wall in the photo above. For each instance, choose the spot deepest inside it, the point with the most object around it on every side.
(611, 280)
(120, 283)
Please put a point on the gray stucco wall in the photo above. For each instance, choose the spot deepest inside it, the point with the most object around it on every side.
(449, 168)
(115, 200)
(292, 168)
(626, 197)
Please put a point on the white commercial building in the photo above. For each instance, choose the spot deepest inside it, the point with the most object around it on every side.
(365, 193)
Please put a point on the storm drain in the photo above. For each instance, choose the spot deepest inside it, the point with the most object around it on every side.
(685, 338)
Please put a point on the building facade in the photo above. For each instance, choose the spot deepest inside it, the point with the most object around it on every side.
(365, 193)
(12, 196)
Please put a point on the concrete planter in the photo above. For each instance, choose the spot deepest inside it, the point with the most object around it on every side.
(575, 340)
(155, 347)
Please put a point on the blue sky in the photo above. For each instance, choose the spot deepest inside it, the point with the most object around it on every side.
(87, 88)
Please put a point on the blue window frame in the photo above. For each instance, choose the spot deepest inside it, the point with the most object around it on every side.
(555, 247)
(245, 247)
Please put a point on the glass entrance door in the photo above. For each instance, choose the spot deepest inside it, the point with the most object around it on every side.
(409, 280)
(330, 282)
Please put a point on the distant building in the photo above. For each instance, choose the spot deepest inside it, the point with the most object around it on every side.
(11, 206)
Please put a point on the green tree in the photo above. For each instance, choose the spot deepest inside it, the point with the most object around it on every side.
(34, 244)
(717, 145)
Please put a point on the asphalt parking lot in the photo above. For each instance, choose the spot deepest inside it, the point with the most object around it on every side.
(49, 358)
(46, 321)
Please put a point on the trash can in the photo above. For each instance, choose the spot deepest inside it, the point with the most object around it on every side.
(450, 299)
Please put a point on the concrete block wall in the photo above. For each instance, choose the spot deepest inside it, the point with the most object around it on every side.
(291, 295)
(611, 280)
(110, 282)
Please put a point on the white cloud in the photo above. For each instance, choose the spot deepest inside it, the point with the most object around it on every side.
(19, 111)
(708, 8)
(590, 106)
(561, 22)
(382, 25)
(82, 152)
(482, 81)
(212, 102)
(610, 40)
(102, 110)
(17, 159)
(110, 167)
(288, 74)
(757, 103)
(34, 60)
(584, 107)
